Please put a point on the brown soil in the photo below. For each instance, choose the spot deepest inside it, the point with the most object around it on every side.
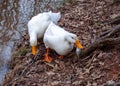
(87, 19)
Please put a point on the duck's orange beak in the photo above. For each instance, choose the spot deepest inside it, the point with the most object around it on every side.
(78, 44)
(34, 50)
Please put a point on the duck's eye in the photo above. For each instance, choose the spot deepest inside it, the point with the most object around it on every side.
(69, 43)
(72, 37)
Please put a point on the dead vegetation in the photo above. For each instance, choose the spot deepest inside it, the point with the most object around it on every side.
(90, 20)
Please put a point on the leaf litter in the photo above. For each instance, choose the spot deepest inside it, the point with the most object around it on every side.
(87, 19)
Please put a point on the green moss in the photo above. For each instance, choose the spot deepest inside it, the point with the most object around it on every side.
(63, 2)
(98, 22)
(22, 51)
(68, 1)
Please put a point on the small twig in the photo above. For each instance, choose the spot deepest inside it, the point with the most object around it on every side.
(105, 33)
(23, 72)
(49, 64)
(90, 62)
(26, 68)
(88, 57)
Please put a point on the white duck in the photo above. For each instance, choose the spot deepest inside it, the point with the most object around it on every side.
(61, 41)
(38, 24)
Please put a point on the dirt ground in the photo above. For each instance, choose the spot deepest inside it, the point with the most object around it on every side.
(87, 19)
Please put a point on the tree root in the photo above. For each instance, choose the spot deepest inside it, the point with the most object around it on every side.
(105, 39)
(114, 21)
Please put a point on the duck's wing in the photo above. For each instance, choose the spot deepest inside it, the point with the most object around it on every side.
(54, 29)
(51, 41)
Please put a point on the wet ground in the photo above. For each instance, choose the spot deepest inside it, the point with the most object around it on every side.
(14, 15)
(87, 19)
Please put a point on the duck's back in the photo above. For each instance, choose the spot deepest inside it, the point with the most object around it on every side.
(39, 23)
(54, 29)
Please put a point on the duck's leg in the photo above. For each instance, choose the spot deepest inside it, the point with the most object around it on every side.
(60, 57)
(47, 57)
(34, 50)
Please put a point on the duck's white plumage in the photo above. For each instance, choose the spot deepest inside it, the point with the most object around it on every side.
(39, 23)
(59, 39)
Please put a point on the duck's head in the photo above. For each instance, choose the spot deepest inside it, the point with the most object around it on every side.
(55, 17)
(73, 39)
(33, 43)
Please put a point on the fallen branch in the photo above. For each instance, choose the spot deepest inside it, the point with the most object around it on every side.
(104, 39)
(110, 32)
(115, 2)
(114, 21)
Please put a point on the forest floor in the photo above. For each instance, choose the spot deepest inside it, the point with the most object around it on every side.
(87, 19)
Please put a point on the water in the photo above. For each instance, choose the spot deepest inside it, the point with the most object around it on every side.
(14, 15)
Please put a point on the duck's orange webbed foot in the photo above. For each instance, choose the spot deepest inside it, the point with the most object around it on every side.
(47, 57)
